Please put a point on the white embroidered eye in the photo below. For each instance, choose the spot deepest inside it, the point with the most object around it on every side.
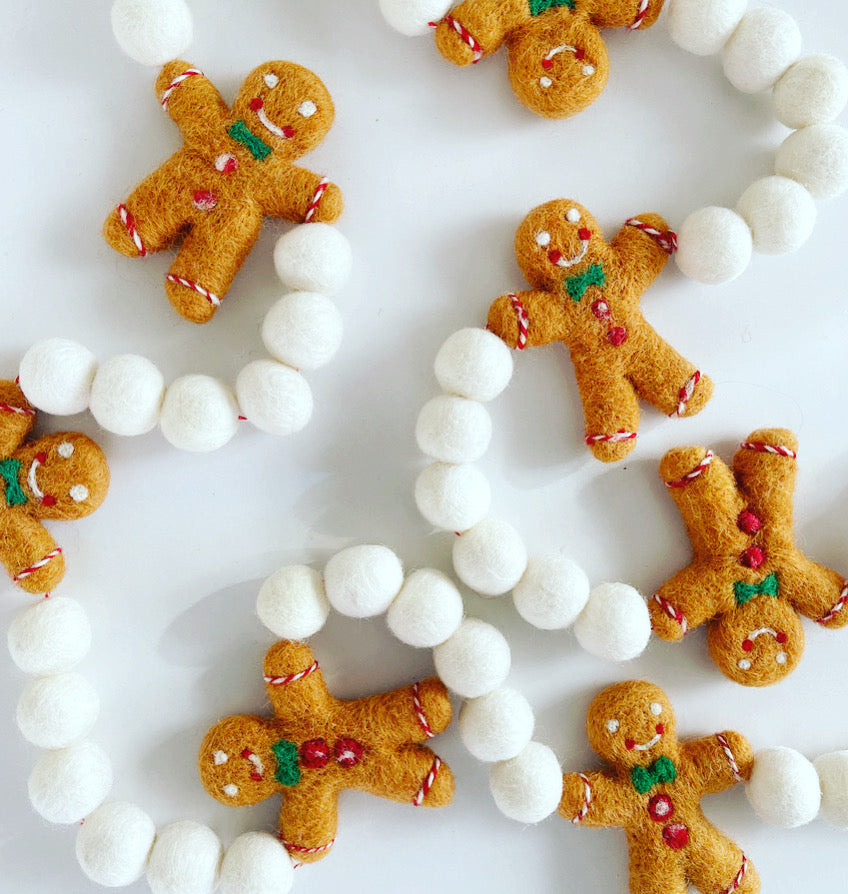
(66, 450)
(78, 493)
(220, 758)
(656, 709)
(230, 790)
(271, 80)
(612, 726)
(307, 109)
(543, 239)
(572, 215)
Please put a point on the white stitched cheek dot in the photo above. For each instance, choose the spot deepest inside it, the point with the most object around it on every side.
(271, 80)
(573, 215)
(588, 70)
(66, 450)
(781, 657)
(656, 709)
(744, 664)
(78, 493)
(612, 726)
(230, 790)
(545, 82)
(307, 109)
(220, 758)
(543, 239)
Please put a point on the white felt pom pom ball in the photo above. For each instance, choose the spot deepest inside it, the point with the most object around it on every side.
(817, 157)
(714, 245)
(56, 376)
(362, 581)
(113, 844)
(313, 257)
(615, 625)
(256, 863)
(67, 784)
(784, 787)
(303, 329)
(497, 726)
(703, 26)
(833, 780)
(552, 592)
(413, 17)
(475, 660)
(56, 711)
(274, 397)
(453, 429)
(186, 859)
(127, 394)
(453, 498)
(780, 213)
(490, 557)
(474, 363)
(765, 43)
(52, 636)
(427, 610)
(812, 91)
(199, 413)
(292, 603)
(528, 787)
(152, 32)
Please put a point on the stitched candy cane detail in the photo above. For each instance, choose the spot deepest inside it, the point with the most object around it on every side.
(587, 800)
(189, 72)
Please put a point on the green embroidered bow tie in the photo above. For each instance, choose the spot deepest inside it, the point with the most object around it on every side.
(592, 276)
(257, 148)
(746, 592)
(9, 469)
(288, 771)
(537, 7)
(645, 778)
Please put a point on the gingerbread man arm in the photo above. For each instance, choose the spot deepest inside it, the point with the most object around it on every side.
(17, 417)
(688, 599)
(193, 103)
(295, 194)
(594, 800)
(477, 28)
(29, 553)
(642, 248)
(294, 683)
(528, 319)
(816, 592)
(632, 14)
(719, 761)
(308, 820)
(410, 775)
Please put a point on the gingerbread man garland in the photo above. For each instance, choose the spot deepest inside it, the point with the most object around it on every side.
(747, 579)
(235, 168)
(558, 63)
(316, 745)
(62, 476)
(653, 790)
(586, 294)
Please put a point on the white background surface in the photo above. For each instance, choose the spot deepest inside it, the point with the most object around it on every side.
(438, 167)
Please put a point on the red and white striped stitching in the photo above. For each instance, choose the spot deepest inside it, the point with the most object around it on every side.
(686, 392)
(427, 784)
(467, 37)
(640, 16)
(419, 710)
(20, 411)
(211, 297)
(292, 678)
(778, 449)
(839, 605)
(587, 800)
(614, 438)
(689, 477)
(734, 885)
(128, 221)
(176, 83)
(316, 199)
(728, 753)
(523, 320)
(301, 849)
(667, 240)
(36, 565)
(674, 613)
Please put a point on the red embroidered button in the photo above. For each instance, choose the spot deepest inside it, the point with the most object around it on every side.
(315, 754)
(204, 200)
(347, 752)
(601, 309)
(617, 336)
(748, 522)
(753, 557)
(226, 163)
(660, 808)
(676, 836)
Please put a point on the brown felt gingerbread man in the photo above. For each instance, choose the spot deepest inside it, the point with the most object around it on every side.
(235, 168)
(586, 294)
(558, 63)
(61, 476)
(747, 579)
(653, 790)
(316, 745)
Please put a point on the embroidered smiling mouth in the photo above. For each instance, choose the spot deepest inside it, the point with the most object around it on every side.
(285, 133)
(32, 480)
(631, 745)
(555, 256)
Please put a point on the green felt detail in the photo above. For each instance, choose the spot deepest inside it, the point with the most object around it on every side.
(746, 592)
(9, 469)
(537, 7)
(645, 778)
(288, 772)
(241, 133)
(592, 276)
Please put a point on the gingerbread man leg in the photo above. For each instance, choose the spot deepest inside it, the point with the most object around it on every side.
(29, 553)
(768, 458)
(308, 821)
(647, 878)
(816, 592)
(717, 866)
(611, 411)
(412, 714)
(476, 28)
(411, 775)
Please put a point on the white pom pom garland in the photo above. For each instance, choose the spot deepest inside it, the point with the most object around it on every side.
(56, 711)
(426, 611)
(303, 330)
(67, 784)
(714, 245)
(784, 787)
(314, 258)
(292, 603)
(615, 624)
(817, 157)
(199, 414)
(56, 376)
(362, 581)
(127, 394)
(474, 363)
(114, 843)
(152, 32)
(833, 781)
(551, 593)
(528, 787)
(453, 497)
(812, 91)
(256, 863)
(702, 27)
(51, 637)
(497, 726)
(453, 429)
(780, 213)
(186, 859)
(475, 660)
(413, 17)
(765, 43)
(274, 397)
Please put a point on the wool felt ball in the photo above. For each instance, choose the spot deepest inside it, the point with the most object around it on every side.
(490, 557)
(316, 258)
(303, 330)
(56, 711)
(528, 787)
(274, 397)
(256, 863)
(497, 726)
(453, 497)
(67, 784)
(199, 414)
(780, 213)
(50, 637)
(812, 91)
(427, 611)
(361, 581)
(552, 592)
(413, 17)
(292, 602)
(127, 394)
(186, 859)
(702, 27)
(765, 43)
(475, 660)
(113, 844)
(615, 624)
(152, 32)
(453, 429)
(714, 245)
(833, 779)
(817, 157)
(474, 363)
(784, 787)
(56, 376)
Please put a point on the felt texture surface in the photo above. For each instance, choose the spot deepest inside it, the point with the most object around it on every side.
(586, 294)
(316, 745)
(747, 580)
(652, 789)
(60, 476)
(235, 168)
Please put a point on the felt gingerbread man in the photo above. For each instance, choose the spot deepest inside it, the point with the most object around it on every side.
(558, 63)
(235, 168)
(316, 745)
(653, 789)
(586, 294)
(747, 578)
(62, 476)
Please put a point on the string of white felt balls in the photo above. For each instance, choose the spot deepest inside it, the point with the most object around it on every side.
(760, 50)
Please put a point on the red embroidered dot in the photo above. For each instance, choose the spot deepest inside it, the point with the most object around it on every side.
(347, 752)
(256, 103)
(617, 336)
(41, 457)
(579, 54)
(584, 234)
(601, 309)
(48, 500)
(660, 728)
(555, 256)
(315, 754)
(747, 645)
(548, 64)
(629, 744)
(226, 163)
(660, 808)
(255, 775)
(204, 200)
(748, 522)
(781, 638)
(676, 836)
(753, 557)
(288, 131)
